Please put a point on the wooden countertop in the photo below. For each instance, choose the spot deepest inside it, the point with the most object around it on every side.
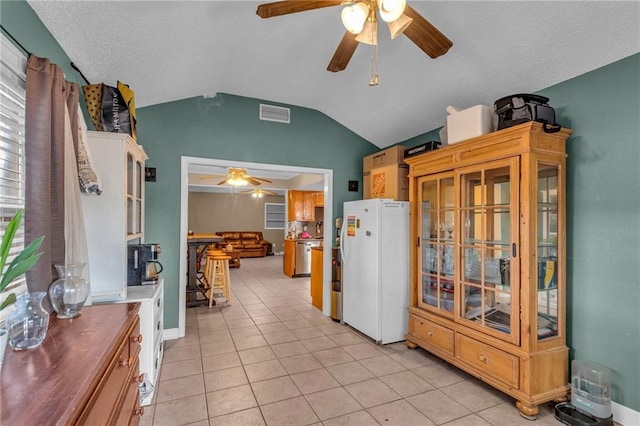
(52, 383)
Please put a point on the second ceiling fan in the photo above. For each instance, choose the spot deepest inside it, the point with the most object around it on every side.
(361, 20)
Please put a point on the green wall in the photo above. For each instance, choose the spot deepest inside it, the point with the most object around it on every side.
(602, 107)
(603, 216)
(227, 128)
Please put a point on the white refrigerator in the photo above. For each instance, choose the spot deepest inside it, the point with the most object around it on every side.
(375, 268)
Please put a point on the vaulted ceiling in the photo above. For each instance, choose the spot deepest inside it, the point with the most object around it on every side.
(170, 50)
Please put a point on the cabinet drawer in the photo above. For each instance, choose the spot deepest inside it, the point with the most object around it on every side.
(490, 361)
(107, 397)
(434, 335)
(135, 340)
(131, 406)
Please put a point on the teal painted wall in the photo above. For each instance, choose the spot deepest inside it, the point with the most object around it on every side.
(227, 128)
(603, 216)
(602, 107)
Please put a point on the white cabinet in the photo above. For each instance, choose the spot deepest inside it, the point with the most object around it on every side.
(151, 298)
(116, 217)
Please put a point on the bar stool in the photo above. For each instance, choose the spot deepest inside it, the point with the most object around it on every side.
(218, 277)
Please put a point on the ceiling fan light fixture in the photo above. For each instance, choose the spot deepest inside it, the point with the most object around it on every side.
(369, 34)
(354, 17)
(391, 10)
(398, 26)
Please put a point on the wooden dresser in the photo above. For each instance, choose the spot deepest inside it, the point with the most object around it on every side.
(85, 372)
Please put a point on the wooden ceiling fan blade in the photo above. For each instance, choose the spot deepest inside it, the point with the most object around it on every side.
(262, 179)
(427, 37)
(253, 181)
(343, 53)
(279, 8)
(222, 182)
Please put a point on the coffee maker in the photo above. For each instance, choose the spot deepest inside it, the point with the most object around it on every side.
(143, 266)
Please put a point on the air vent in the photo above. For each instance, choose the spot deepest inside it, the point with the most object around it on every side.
(274, 113)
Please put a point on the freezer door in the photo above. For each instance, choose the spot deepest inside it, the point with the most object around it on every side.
(361, 267)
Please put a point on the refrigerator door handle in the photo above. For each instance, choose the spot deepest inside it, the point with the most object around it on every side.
(342, 242)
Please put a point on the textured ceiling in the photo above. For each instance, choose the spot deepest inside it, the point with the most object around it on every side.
(169, 50)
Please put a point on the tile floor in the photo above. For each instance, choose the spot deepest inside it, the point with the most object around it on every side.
(272, 358)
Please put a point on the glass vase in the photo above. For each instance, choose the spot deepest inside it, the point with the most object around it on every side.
(69, 292)
(27, 324)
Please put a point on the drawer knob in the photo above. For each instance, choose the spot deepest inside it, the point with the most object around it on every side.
(139, 379)
(139, 411)
(137, 339)
(430, 333)
(483, 358)
(158, 326)
(126, 362)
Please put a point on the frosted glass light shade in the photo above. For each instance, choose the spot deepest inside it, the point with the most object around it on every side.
(354, 17)
(398, 26)
(390, 10)
(369, 34)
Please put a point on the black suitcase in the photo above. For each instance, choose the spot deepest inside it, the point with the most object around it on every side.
(517, 109)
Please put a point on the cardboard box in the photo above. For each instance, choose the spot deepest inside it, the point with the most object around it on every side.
(469, 123)
(386, 157)
(390, 181)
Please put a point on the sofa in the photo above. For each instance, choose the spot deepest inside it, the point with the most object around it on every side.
(248, 243)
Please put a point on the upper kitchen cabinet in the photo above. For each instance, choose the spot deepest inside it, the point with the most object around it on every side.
(114, 218)
(488, 260)
(319, 199)
(302, 206)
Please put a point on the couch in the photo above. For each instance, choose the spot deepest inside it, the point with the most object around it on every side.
(248, 243)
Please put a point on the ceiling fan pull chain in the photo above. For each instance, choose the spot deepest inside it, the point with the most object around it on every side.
(374, 66)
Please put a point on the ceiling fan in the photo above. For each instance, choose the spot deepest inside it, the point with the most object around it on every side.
(259, 193)
(360, 19)
(238, 177)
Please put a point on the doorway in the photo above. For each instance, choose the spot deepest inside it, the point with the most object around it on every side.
(190, 163)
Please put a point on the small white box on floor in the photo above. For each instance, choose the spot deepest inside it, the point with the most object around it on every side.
(469, 123)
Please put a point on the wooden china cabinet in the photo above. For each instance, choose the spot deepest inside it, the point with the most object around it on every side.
(488, 260)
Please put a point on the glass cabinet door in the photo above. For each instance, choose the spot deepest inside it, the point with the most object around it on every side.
(437, 255)
(487, 247)
(547, 251)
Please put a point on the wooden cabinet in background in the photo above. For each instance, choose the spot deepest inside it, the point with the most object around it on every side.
(488, 260)
(319, 199)
(301, 206)
(84, 373)
(289, 258)
(316, 277)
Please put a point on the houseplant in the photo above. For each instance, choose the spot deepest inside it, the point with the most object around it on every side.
(18, 266)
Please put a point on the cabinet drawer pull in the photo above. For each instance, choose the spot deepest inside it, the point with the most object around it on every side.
(126, 362)
(139, 411)
(137, 339)
(158, 303)
(158, 326)
(139, 379)
(483, 358)
(430, 333)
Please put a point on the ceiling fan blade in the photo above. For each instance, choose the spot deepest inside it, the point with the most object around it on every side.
(279, 8)
(222, 182)
(343, 53)
(209, 177)
(262, 179)
(253, 181)
(425, 35)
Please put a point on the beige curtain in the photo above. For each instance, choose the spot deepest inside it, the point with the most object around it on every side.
(52, 206)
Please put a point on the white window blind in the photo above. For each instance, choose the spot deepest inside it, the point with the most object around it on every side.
(12, 162)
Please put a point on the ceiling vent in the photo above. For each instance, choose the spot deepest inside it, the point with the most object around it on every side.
(274, 113)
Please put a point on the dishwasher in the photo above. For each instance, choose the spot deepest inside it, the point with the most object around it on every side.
(303, 257)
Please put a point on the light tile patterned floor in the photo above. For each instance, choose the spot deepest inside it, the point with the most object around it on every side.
(272, 358)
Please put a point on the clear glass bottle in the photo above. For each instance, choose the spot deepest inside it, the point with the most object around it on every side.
(69, 292)
(28, 323)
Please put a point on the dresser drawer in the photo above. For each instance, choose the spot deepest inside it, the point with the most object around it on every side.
(490, 361)
(131, 406)
(435, 336)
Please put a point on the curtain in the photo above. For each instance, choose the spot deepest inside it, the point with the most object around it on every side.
(52, 208)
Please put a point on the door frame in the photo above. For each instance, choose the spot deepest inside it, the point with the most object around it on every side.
(186, 162)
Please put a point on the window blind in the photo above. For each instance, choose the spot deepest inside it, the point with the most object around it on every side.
(12, 153)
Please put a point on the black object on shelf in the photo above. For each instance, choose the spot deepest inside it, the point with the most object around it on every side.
(569, 415)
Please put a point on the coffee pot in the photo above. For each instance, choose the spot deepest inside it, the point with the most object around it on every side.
(152, 269)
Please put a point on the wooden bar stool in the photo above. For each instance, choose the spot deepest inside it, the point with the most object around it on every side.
(218, 277)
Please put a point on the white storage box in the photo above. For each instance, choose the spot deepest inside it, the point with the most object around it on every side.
(469, 123)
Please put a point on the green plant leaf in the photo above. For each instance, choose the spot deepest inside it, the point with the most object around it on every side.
(7, 239)
(18, 268)
(10, 300)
